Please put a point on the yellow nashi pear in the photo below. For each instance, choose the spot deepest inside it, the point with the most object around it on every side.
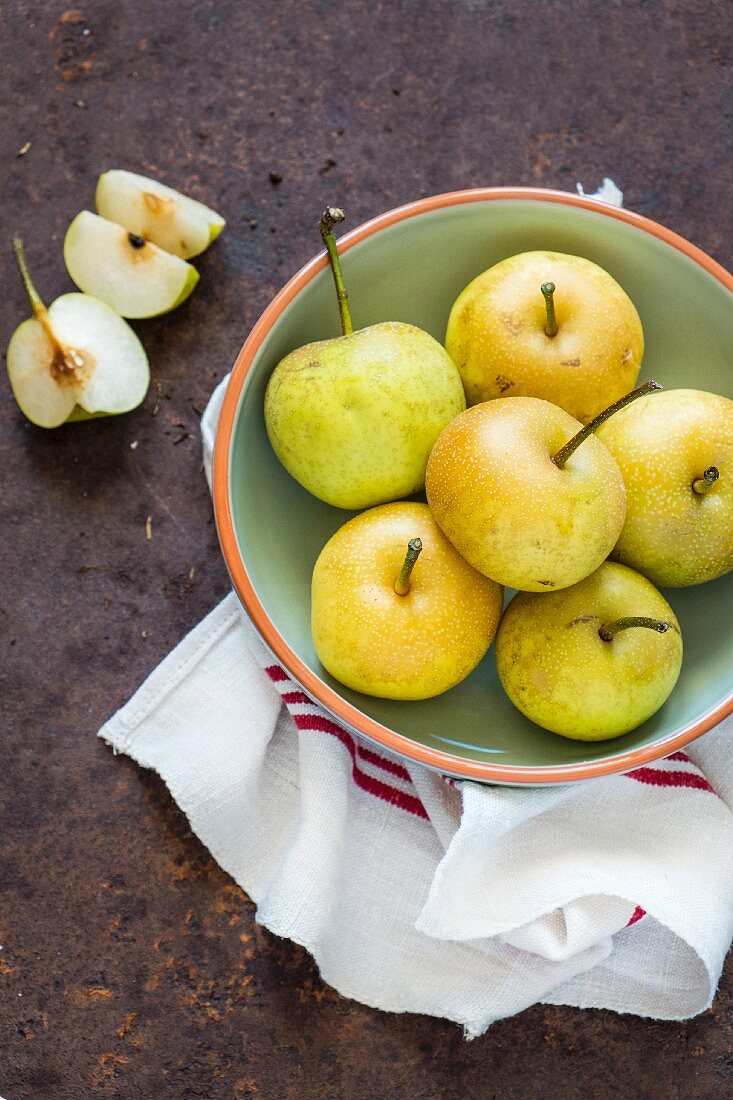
(549, 325)
(593, 661)
(526, 494)
(396, 611)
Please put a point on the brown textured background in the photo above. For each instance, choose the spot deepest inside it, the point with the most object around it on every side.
(132, 967)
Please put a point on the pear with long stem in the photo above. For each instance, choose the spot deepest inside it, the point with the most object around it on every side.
(75, 359)
(353, 418)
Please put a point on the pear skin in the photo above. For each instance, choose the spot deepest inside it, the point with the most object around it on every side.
(495, 491)
(676, 533)
(354, 418)
(497, 337)
(399, 646)
(557, 668)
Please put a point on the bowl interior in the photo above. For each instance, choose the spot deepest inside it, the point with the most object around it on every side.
(412, 271)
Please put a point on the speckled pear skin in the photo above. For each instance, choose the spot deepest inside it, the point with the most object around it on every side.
(562, 675)
(354, 418)
(673, 535)
(399, 647)
(496, 334)
(509, 510)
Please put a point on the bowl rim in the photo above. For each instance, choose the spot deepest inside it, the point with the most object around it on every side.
(325, 696)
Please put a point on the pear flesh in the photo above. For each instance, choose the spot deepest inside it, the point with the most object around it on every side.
(174, 222)
(354, 418)
(130, 274)
(86, 361)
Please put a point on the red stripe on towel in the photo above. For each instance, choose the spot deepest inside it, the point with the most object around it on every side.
(319, 723)
(651, 776)
(326, 725)
(293, 697)
(276, 674)
(655, 777)
(636, 915)
(382, 762)
(368, 783)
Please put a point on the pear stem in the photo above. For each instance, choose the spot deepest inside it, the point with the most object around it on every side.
(39, 310)
(402, 584)
(66, 360)
(609, 630)
(702, 484)
(572, 445)
(548, 290)
(332, 216)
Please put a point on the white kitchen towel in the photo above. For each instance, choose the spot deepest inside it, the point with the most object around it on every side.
(417, 894)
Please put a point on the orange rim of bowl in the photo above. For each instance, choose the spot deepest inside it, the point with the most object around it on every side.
(349, 715)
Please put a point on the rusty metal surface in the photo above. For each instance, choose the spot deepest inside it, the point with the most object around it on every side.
(132, 967)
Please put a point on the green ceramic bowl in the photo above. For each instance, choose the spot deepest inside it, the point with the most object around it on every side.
(409, 265)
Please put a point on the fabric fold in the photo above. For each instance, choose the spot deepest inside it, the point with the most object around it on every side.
(418, 894)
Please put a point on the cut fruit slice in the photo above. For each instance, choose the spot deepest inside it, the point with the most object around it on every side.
(157, 213)
(75, 360)
(131, 275)
(37, 384)
(116, 375)
(94, 361)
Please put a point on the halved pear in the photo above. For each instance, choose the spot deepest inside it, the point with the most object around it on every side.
(157, 213)
(75, 360)
(132, 275)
